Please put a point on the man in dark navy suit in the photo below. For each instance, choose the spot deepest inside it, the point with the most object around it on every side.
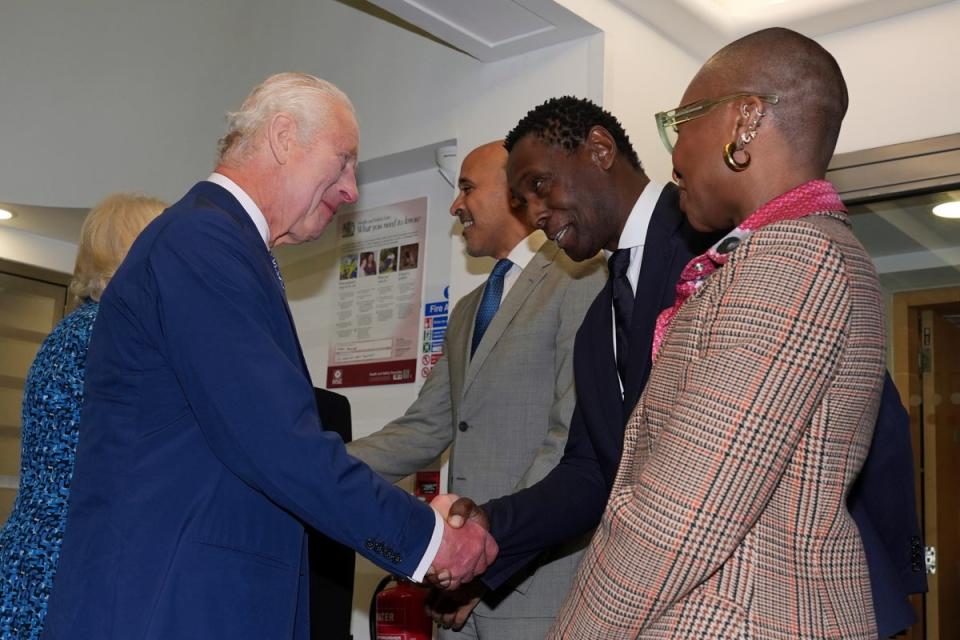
(573, 167)
(201, 455)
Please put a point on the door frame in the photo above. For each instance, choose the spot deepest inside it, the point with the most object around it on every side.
(886, 173)
(906, 342)
(897, 170)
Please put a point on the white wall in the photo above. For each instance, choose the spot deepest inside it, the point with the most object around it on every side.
(643, 73)
(900, 73)
(902, 78)
(106, 95)
(495, 96)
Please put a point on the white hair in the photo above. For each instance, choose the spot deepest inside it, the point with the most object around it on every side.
(307, 99)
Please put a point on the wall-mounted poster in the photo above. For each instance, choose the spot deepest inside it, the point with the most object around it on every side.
(434, 331)
(377, 325)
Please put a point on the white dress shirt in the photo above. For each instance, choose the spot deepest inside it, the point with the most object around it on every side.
(633, 237)
(520, 256)
(246, 202)
(261, 223)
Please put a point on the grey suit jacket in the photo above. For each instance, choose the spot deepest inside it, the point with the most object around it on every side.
(506, 411)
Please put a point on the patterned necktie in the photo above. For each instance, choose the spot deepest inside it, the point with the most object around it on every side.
(490, 301)
(276, 270)
(617, 265)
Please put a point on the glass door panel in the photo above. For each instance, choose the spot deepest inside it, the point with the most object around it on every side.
(917, 256)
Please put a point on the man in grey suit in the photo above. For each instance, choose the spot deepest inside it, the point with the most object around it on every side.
(502, 394)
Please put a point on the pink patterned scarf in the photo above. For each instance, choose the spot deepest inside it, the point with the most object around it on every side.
(815, 196)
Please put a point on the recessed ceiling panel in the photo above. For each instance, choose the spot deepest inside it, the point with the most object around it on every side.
(911, 248)
(492, 22)
(492, 29)
(906, 225)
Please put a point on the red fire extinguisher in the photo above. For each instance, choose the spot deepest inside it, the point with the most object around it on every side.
(397, 613)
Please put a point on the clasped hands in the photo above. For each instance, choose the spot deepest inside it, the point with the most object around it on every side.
(467, 549)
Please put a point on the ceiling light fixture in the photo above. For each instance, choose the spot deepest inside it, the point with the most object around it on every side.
(6, 215)
(947, 210)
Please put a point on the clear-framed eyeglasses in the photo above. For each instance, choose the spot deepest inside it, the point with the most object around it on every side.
(667, 121)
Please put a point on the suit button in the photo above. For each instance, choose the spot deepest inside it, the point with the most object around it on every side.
(463, 426)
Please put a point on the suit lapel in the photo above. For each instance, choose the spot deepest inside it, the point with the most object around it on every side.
(459, 335)
(526, 282)
(224, 200)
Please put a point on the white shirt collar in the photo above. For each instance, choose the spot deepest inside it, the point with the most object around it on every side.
(523, 253)
(634, 232)
(246, 202)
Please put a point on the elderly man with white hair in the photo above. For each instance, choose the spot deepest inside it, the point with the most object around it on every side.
(201, 455)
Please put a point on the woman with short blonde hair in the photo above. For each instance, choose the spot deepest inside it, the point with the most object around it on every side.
(108, 231)
(52, 397)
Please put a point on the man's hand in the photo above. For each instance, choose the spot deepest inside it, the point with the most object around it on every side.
(450, 609)
(464, 553)
(443, 502)
(456, 510)
(465, 510)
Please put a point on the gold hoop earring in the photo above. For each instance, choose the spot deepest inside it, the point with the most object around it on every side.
(732, 163)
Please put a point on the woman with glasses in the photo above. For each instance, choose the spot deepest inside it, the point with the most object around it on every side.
(728, 516)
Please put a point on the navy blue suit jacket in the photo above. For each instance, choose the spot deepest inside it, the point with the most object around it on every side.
(570, 500)
(201, 455)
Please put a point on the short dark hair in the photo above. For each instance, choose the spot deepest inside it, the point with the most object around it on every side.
(566, 121)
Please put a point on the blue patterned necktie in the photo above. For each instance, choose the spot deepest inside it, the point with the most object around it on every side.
(276, 270)
(618, 264)
(490, 301)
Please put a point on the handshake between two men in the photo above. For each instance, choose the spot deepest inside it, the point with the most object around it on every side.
(466, 552)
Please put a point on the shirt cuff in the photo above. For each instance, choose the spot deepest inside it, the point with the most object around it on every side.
(432, 549)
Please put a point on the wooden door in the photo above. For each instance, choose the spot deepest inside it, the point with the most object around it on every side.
(925, 332)
(940, 384)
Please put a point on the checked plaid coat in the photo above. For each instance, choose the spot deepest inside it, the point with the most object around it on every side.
(728, 516)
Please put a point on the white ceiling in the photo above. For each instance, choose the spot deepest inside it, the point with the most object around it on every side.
(57, 223)
(496, 29)
(703, 26)
(492, 30)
